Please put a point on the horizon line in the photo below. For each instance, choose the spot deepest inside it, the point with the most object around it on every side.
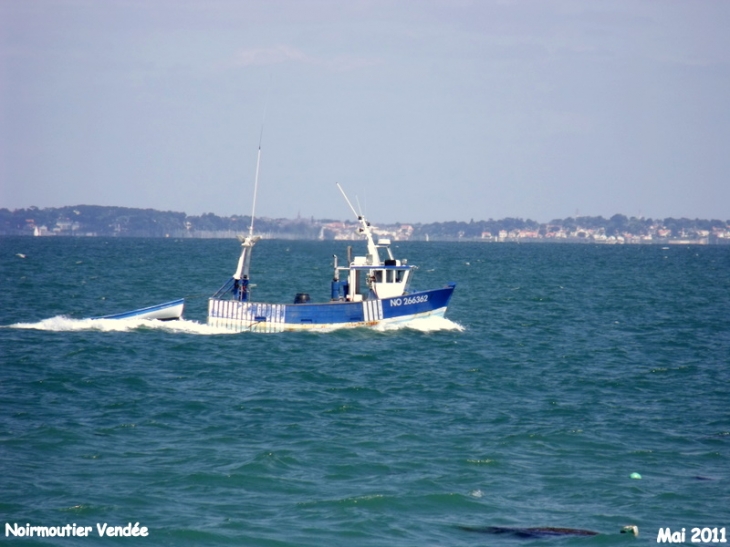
(525, 219)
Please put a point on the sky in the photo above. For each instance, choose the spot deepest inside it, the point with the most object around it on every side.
(424, 111)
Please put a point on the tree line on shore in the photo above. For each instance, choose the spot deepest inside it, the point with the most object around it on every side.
(97, 220)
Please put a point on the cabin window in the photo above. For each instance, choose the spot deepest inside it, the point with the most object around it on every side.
(388, 276)
(361, 286)
(378, 276)
(399, 276)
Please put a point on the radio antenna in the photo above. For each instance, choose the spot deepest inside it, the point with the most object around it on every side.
(256, 182)
(258, 166)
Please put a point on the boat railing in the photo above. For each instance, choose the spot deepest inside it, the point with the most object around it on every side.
(234, 289)
(225, 289)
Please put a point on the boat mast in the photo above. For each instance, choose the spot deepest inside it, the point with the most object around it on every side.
(241, 278)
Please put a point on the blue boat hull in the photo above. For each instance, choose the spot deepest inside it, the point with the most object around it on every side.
(260, 317)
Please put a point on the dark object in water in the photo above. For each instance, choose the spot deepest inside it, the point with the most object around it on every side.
(533, 532)
(541, 531)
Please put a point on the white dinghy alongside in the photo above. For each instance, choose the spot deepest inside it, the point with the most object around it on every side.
(167, 311)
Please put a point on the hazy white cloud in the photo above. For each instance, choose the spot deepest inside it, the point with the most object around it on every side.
(272, 56)
(279, 54)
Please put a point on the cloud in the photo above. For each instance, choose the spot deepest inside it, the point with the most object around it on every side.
(286, 54)
(271, 56)
(563, 121)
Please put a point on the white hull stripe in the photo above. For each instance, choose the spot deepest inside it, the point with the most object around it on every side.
(372, 310)
(244, 315)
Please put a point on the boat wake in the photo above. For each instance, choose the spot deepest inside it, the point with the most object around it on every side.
(62, 323)
(422, 324)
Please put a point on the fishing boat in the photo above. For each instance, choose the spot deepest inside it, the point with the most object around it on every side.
(370, 290)
(168, 311)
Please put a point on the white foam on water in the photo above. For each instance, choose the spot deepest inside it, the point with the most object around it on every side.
(61, 323)
(422, 324)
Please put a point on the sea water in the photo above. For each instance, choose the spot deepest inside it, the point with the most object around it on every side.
(559, 371)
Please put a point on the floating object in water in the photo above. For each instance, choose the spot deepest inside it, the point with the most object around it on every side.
(635, 476)
(20, 255)
(532, 532)
(542, 531)
(169, 311)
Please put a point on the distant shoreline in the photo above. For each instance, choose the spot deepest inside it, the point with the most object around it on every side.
(109, 221)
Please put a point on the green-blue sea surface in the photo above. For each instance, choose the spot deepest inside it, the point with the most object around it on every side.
(559, 372)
